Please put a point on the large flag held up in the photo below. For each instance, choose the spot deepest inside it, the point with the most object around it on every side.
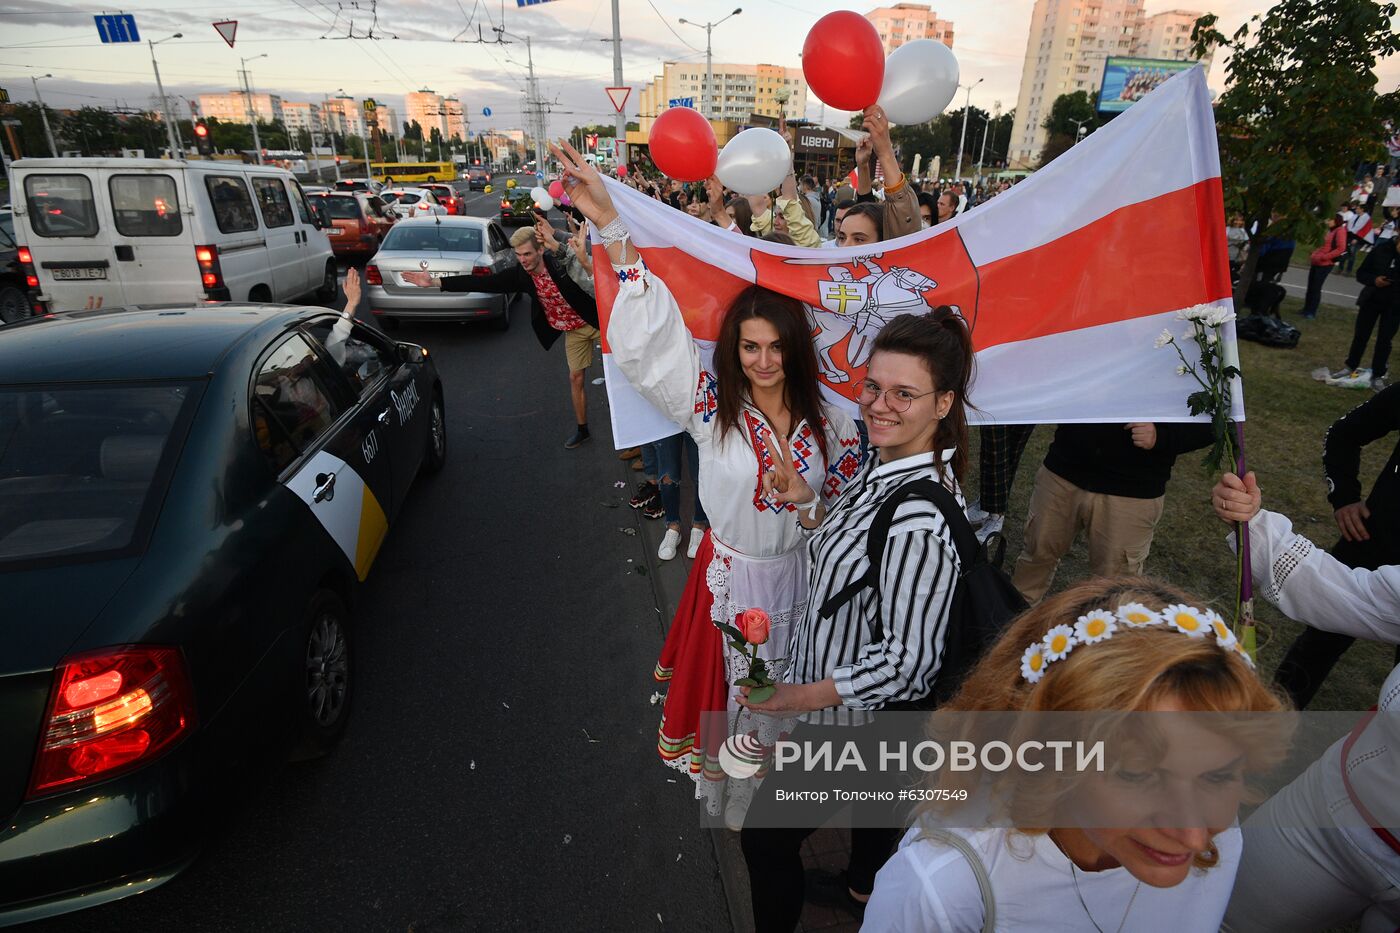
(1066, 279)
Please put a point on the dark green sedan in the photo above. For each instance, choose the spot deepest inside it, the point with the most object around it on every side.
(189, 497)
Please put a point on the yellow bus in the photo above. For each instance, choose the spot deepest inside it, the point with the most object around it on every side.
(408, 173)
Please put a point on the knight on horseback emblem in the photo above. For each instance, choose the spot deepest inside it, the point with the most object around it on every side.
(860, 307)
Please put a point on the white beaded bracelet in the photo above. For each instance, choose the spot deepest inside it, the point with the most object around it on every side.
(615, 232)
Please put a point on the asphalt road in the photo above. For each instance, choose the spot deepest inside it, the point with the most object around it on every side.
(499, 771)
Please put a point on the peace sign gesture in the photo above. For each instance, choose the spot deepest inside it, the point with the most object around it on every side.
(783, 482)
(584, 185)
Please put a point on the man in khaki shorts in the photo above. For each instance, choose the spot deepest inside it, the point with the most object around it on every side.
(559, 306)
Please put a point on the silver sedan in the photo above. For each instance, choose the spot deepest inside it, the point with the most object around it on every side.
(439, 246)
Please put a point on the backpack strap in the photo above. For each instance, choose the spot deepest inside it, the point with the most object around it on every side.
(979, 871)
(964, 539)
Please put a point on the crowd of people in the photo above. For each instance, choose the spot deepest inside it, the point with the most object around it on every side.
(786, 491)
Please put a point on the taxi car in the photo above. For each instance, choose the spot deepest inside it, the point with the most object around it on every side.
(189, 498)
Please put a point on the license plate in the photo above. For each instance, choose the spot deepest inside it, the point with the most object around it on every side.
(442, 275)
(334, 231)
(97, 273)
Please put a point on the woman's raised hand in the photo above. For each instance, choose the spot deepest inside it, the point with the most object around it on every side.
(584, 185)
(783, 482)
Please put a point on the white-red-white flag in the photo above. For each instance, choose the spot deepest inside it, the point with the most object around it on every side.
(1066, 279)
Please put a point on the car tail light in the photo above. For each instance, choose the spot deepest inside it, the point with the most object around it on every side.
(31, 279)
(111, 711)
(372, 276)
(481, 270)
(210, 275)
(505, 205)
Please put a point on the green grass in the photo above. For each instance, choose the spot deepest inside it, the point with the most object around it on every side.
(1287, 415)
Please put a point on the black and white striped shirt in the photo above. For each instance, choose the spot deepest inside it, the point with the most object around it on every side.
(917, 577)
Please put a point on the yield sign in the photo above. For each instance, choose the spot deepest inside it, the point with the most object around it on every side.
(618, 96)
(226, 29)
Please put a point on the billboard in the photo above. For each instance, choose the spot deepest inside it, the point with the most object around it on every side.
(1128, 80)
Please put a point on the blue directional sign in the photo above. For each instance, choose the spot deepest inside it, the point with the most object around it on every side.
(486, 111)
(117, 27)
(529, 2)
(681, 102)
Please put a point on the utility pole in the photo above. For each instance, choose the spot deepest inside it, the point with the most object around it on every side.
(176, 150)
(620, 145)
(252, 114)
(996, 111)
(330, 125)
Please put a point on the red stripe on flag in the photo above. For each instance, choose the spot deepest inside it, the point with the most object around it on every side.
(1144, 259)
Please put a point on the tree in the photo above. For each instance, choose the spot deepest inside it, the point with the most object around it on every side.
(96, 130)
(1300, 107)
(1062, 126)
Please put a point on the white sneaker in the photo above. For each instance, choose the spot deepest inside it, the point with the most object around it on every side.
(991, 526)
(1357, 379)
(669, 544)
(696, 536)
(975, 515)
(736, 805)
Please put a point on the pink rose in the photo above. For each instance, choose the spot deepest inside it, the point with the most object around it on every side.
(754, 624)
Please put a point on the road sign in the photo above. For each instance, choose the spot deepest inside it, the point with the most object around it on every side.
(486, 111)
(370, 105)
(117, 27)
(680, 102)
(226, 28)
(618, 96)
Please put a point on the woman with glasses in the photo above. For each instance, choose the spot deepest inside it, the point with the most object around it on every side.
(883, 648)
(755, 406)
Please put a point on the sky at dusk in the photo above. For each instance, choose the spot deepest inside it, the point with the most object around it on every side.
(309, 54)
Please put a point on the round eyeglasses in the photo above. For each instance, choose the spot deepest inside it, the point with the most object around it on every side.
(897, 399)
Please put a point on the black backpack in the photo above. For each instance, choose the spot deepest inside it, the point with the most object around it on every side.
(984, 601)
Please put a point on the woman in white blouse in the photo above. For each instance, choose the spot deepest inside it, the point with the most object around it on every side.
(1106, 645)
(757, 404)
(884, 646)
(1325, 849)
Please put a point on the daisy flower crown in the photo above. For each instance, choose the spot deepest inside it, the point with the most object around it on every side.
(1101, 625)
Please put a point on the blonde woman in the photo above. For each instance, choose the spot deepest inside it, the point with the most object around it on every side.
(1114, 646)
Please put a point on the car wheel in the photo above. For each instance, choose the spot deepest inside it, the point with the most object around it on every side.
(325, 685)
(436, 455)
(431, 179)
(14, 306)
(502, 321)
(330, 285)
(260, 293)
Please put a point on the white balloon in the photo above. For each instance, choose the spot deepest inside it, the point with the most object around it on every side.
(542, 198)
(754, 162)
(921, 77)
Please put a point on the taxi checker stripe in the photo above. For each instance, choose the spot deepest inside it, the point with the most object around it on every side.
(1065, 278)
(352, 515)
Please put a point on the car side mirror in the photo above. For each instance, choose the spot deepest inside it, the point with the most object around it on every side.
(409, 352)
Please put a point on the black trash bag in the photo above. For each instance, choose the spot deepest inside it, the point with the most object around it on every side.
(1268, 330)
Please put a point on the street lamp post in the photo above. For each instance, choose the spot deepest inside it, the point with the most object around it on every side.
(43, 115)
(177, 151)
(957, 172)
(996, 110)
(252, 114)
(707, 99)
(1079, 130)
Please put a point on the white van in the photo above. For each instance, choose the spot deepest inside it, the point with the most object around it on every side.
(104, 232)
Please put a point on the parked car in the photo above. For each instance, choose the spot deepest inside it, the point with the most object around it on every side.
(359, 184)
(183, 531)
(358, 223)
(105, 232)
(478, 179)
(412, 202)
(314, 189)
(440, 247)
(14, 290)
(517, 208)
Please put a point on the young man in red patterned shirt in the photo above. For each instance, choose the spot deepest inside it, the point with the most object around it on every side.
(559, 306)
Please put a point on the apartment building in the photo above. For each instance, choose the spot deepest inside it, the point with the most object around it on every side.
(905, 22)
(233, 106)
(738, 91)
(343, 116)
(297, 116)
(1168, 35)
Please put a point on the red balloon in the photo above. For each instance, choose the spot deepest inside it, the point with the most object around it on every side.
(843, 61)
(622, 170)
(556, 189)
(683, 144)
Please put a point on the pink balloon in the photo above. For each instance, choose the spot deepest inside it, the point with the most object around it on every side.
(556, 189)
(564, 200)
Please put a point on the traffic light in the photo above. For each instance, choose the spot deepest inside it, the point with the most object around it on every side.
(202, 143)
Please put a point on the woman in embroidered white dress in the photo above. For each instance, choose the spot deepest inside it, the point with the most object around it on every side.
(758, 404)
(1117, 645)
